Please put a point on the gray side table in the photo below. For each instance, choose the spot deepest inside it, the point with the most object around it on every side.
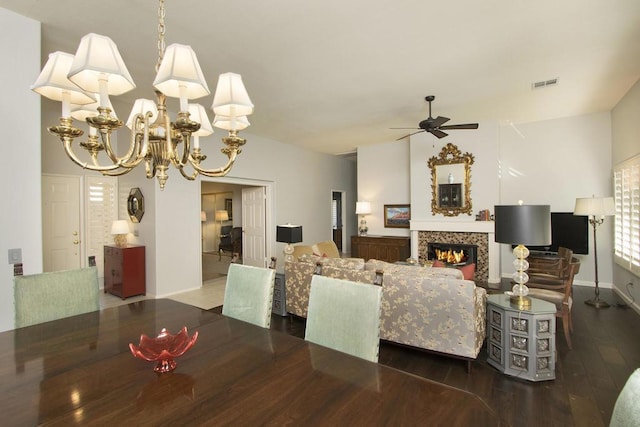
(522, 343)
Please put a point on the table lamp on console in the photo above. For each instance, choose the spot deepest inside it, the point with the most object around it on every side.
(288, 234)
(522, 225)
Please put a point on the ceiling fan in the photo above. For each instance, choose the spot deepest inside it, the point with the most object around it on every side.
(434, 126)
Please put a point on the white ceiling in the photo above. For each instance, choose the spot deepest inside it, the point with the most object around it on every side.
(332, 75)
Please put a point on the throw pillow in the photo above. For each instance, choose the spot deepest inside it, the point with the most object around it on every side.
(468, 271)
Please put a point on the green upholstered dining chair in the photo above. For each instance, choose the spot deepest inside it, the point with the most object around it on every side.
(49, 296)
(248, 294)
(345, 316)
(626, 411)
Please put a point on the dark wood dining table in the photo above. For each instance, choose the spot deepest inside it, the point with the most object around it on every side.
(79, 370)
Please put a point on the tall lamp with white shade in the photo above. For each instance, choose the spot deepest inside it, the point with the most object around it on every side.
(596, 208)
(363, 209)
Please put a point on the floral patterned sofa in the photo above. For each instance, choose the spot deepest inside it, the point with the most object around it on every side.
(427, 307)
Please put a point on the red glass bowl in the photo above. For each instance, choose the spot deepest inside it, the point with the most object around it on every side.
(164, 348)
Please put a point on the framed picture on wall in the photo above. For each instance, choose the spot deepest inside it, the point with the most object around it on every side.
(397, 216)
(228, 206)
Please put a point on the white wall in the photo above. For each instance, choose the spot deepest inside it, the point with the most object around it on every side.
(382, 180)
(20, 222)
(554, 162)
(625, 119)
(549, 162)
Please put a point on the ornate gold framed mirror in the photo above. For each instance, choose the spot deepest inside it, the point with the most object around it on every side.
(451, 182)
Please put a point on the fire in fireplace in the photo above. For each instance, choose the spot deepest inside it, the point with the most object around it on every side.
(453, 253)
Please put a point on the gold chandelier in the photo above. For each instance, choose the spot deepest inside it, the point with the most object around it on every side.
(84, 81)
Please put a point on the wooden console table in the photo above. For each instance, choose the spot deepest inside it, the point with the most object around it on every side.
(384, 248)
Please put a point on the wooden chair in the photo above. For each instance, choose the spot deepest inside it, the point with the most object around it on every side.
(49, 296)
(543, 270)
(248, 294)
(560, 294)
(345, 316)
(626, 411)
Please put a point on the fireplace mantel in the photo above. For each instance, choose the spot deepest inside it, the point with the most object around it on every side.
(484, 227)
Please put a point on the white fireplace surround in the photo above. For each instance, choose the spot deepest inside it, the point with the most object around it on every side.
(485, 227)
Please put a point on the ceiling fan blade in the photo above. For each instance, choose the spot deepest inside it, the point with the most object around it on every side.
(406, 136)
(438, 133)
(464, 126)
(406, 128)
(439, 121)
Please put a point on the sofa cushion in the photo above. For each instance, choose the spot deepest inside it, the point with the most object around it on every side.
(327, 248)
(412, 270)
(348, 263)
(299, 250)
(349, 274)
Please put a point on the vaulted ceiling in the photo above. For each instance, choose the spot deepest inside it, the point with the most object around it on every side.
(332, 75)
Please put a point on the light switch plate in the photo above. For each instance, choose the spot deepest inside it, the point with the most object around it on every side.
(15, 256)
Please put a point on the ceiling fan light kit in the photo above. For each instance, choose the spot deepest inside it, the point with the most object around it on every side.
(436, 126)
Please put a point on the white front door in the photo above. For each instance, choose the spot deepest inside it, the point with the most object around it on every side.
(61, 222)
(254, 226)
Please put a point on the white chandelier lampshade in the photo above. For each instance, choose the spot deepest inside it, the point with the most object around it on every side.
(231, 123)
(120, 229)
(53, 83)
(142, 106)
(156, 140)
(199, 114)
(180, 75)
(231, 98)
(99, 68)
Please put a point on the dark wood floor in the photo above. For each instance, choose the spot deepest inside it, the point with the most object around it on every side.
(606, 349)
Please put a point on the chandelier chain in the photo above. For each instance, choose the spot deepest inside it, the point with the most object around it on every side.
(161, 31)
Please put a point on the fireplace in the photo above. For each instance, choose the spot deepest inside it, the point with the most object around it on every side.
(480, 233)
(453, 253)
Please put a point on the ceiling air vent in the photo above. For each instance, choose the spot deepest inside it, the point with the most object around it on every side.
(544, 83)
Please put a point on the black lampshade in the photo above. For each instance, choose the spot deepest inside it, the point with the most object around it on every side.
(289, 233)
(523, 224)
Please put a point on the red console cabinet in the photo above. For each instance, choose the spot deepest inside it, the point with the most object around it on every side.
(124, 271)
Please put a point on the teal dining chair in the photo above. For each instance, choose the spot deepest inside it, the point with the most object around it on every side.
(626, 411)
(345, 316)
(53, 295)
(248, 294)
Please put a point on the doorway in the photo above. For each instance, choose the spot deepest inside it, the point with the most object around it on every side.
(255, 226)
(338, 231)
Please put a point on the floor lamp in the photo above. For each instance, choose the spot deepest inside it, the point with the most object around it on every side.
(596, 208)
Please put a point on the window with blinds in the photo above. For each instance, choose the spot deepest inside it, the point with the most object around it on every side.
(101, 202)
(626, 176)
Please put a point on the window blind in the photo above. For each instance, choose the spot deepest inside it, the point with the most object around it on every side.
(102, 209)
(626, 177)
